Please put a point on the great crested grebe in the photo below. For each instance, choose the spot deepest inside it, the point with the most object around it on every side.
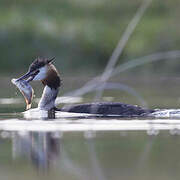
(43, 70)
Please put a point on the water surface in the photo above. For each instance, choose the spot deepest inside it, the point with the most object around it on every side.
(94, 148)
(91, 148)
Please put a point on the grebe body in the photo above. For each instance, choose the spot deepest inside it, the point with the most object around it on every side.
(108, 108)
(43, 70)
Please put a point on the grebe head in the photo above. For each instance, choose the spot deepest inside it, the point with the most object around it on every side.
(43, 70)
(38, 70)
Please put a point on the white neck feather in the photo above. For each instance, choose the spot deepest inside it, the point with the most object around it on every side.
(48, 98)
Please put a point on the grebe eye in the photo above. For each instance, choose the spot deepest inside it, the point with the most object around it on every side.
(37, 71)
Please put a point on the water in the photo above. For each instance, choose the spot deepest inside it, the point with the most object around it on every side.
(88, 148)
(75, 148)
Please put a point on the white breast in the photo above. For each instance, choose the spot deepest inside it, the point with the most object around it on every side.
(48, 98)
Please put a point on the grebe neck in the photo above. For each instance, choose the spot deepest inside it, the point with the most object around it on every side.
(48, 98)
(52, 83)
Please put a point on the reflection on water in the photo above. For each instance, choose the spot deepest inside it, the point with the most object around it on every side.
(90, 155)
(94, 153)
(41, 148)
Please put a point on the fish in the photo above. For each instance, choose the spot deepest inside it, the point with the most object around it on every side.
(26, 89)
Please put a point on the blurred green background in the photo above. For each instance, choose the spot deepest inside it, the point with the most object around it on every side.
(82, 35)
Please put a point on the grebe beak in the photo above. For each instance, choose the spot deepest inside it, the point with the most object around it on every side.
(30, 75)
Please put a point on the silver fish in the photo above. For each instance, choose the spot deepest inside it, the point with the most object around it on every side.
(26, 90)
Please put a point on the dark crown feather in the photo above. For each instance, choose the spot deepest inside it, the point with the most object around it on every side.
(40, 62)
